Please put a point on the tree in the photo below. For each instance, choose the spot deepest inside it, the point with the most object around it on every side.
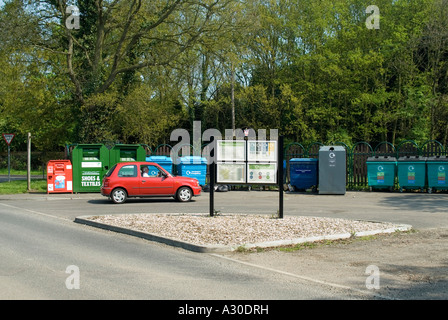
(117, 40)
(30, 90)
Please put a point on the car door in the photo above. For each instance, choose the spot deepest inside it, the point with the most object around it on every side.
(129, 178)
(154, 182)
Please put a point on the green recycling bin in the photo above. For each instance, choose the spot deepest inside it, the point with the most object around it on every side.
(412, 173)
(381, 172)
(90, 163)
(127, 152)
(437, 168)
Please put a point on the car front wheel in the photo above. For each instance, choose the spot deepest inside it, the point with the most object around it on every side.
(184, 194)
(119, 195)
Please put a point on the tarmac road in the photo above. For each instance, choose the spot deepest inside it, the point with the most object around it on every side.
(5, 178)
(411, 265)
(39, 255)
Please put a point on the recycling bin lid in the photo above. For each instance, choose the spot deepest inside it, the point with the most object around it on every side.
(437, 159)
(303, 160)
(88, 145)
(193, 160)
(127, 145)
(412, 158)
(332, 148)
(159, 158)
(381, 159)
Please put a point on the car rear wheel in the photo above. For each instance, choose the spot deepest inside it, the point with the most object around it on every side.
(119, 195)
(184, 194)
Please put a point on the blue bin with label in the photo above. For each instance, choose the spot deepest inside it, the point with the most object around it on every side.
(193, 167)
(163, 161)
(303, 173)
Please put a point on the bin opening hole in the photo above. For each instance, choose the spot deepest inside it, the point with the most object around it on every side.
(331, 149)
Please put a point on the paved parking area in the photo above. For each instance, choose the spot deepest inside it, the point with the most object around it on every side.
(421, 210)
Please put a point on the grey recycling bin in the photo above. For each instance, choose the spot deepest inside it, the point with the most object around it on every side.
(332, 170)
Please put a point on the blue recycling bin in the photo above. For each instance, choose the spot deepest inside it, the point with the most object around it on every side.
(193, 167)
(303, 173)
(163, 161)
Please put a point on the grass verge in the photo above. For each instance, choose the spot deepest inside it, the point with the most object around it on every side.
(303, 245)
(322, 243)
(4, 172)
(20, 186)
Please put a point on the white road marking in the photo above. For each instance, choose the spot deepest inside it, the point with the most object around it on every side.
(325, 283)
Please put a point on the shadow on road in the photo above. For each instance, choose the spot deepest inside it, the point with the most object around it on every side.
(417, 202)
(138, 200)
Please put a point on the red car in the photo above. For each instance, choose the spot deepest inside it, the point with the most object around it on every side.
(146, 179)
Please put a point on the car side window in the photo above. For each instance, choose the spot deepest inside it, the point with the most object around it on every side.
(150, 171)
(128, 171)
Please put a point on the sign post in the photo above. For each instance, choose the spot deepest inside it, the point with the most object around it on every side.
(28, 162)
(280, 177)
(212, 182)
(8, 139)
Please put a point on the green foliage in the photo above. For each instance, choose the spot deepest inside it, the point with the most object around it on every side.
(136, 70)
(142, 117)
(94, 118)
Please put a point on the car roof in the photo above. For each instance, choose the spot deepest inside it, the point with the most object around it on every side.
(137, 163)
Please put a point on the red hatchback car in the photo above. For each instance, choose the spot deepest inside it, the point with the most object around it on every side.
(146, 179)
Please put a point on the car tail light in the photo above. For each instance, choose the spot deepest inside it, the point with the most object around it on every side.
(106, 182)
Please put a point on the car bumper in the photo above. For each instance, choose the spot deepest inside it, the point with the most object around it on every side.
(197, 191)
(106, 191)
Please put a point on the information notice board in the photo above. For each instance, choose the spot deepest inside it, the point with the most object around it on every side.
(246, 162)
(262, 151)
(231, 150)
(265, 173)
(231, 172)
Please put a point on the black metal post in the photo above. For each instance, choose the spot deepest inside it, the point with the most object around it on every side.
(212, 180)
(280, 176)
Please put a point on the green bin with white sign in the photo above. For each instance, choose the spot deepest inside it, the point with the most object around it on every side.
(90, 164)
(127, 153)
